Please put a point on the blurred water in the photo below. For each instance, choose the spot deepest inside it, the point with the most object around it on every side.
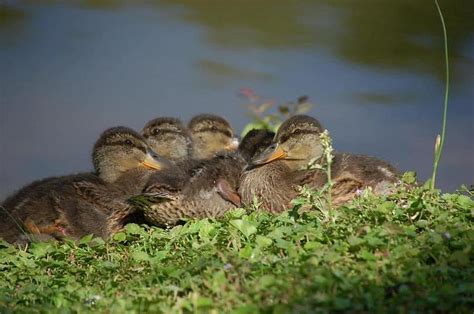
(374, 69)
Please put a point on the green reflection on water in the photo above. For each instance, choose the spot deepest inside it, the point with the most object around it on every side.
(401, 34)
(9, 16)
(382, 33)
(217, 70)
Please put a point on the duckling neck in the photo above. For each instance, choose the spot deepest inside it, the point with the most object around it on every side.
(201, 150)
(133, 181)
(108, 176)
(311, 154)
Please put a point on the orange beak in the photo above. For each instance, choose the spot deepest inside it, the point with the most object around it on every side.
(153, 161)
(272, 153)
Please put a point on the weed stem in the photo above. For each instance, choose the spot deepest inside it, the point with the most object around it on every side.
(439, 148)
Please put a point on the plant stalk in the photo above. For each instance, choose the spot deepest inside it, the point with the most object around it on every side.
(439, 148)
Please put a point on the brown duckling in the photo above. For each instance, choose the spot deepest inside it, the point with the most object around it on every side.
(88, 203)
(207, 188)
(255, 142)
(211, 134)
(169, 138)
(273, 176)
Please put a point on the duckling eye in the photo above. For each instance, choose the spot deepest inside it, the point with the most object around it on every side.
(155, 131)
(213, 128)
(128, 142)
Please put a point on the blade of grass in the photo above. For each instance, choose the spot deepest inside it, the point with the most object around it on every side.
(440, 144)
(16, 223)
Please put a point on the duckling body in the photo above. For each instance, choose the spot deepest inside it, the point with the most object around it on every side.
(273, 186)
(205, 189)
(276, 174)
(88, 203)
(70, 206)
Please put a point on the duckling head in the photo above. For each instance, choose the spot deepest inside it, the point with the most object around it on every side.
(211, 134)
(121, 149)
(297, 142)
(255, 142)
(169, 138)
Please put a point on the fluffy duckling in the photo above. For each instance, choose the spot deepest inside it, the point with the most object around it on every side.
(207, 188)
(169, 138)
(274, 175)
(88, 203)
(211, 134)
(255, 142)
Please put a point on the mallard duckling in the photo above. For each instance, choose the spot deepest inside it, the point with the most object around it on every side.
(211, 134)
(88, 203)
(274, 176)
(207, 188)
(169, 138)
(255, 142)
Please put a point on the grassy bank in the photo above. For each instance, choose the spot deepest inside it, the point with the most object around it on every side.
(411, 251)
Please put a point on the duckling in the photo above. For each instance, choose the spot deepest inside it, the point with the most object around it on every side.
(211, 134)
(87, 203)
(169, 138)
(274, 175)
(205, 189)
(255, 142)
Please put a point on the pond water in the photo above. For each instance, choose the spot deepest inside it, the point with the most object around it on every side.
(373, 69)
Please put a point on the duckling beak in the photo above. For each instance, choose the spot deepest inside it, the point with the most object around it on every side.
(233, 145)
(272, 153)
(154, 161)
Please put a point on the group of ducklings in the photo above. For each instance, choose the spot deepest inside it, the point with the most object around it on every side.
(194, 171)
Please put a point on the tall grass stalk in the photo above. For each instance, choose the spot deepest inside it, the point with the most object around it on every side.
(16, 223)
(440, 139)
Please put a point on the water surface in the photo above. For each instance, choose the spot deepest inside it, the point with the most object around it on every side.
(373, 69)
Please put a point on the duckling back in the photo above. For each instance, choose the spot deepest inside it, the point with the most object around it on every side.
(203, 189)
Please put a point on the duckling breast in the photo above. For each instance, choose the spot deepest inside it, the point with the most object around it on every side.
(269, 185)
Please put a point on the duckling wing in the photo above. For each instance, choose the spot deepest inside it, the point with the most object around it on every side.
(104, 198)
(228, 193)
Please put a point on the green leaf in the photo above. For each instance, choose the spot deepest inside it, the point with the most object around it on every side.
(409, 177)
(120, 237)
(246, 252)
(86, 239)
(465, 202)
(203, 302)
(40, 249)
(263, 241)
(139, 255)
(243, 226)
(205, 228)
(366, 255)
(134, 229)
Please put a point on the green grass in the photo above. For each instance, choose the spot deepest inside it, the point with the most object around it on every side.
(409, 252)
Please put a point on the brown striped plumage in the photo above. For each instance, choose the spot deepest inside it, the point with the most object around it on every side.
(88, 203)
(203, 189)
(275, 175)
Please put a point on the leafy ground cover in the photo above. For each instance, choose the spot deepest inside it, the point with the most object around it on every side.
(410, 252)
